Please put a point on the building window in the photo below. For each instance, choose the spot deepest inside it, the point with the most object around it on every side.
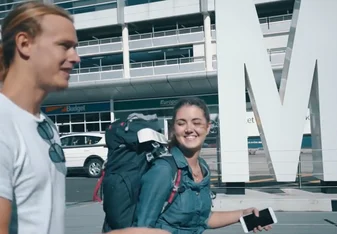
(61, 119)
(92, 127)
(92, 117)
(77, 127)
(53, 118)
(105, 116)
(77, 118)
(88, 122)
(64, 128)
(104, 126)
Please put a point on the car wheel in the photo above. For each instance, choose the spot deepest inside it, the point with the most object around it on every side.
(94, 168)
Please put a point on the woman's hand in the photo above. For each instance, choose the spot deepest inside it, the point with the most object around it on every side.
(256, 212)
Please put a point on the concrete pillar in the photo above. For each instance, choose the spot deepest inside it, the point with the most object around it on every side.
(112, 110)
(126, 53)
(208, 42)
(120, 11)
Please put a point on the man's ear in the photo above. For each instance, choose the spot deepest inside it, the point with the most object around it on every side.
(23, 44)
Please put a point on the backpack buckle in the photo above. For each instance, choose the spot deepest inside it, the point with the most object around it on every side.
(155, 145)
(176, 188)
(149, 157)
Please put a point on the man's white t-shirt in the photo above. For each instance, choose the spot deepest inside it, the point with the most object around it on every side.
(28, 177)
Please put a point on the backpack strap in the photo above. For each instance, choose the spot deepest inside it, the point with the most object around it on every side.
(176, 187)
(176, 184)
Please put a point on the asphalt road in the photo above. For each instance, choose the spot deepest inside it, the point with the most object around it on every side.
(80, 189)
(84, 216)
(87, 219)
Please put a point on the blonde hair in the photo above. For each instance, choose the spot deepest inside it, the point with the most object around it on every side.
(26, 18)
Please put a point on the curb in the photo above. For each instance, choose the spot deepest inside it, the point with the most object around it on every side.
(290, 201)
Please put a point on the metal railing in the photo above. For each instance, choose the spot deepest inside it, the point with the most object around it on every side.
(172, 32)
(133, 3)
(139, 65)
(165, 62)
(83, 7)
(165, 33)
(98, 69)
(108, 4)
(260, 175)
(144, 36)
(100, 41)
(3, 13)
(276, 18)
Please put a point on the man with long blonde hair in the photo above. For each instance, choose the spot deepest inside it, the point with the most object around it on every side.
(37, 54)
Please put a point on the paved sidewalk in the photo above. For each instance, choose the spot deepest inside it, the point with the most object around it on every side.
(290, 200)
(86, 218)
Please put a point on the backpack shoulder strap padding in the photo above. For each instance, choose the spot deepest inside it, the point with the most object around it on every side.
(177, 175)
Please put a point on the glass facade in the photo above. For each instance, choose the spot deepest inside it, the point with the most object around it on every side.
(88, 122)
(95, 117)
(75, 6)
(84, 6)
(137, 57)
(91, 117)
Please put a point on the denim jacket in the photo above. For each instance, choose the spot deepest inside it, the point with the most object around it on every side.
(190, 210)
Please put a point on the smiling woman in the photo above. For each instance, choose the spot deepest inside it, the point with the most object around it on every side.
(190, 211)
(191, 125)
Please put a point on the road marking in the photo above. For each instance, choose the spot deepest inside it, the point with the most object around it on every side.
(272, 179)
(80, 204)
(81, 178)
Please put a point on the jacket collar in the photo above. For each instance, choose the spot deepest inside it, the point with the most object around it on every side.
(182, 163)
(180, 158)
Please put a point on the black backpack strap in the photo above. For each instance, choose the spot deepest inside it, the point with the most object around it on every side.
(177, 173)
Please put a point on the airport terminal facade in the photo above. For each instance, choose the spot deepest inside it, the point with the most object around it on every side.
(142, 55)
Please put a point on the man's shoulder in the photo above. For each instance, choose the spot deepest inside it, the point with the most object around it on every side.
(7, 121)
(6, 110)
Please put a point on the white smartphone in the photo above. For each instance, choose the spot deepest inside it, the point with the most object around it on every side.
(266, 217)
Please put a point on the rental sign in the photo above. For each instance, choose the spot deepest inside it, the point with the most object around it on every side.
(308, 80)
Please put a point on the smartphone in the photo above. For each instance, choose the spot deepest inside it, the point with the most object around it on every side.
(266, 217)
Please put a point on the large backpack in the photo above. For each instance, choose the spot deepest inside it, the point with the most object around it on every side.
(129, 157)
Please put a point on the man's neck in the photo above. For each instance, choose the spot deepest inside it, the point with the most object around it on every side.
(23, 91)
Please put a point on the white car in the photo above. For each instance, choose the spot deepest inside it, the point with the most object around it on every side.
(85, 151)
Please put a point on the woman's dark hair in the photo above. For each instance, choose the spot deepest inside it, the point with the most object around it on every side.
(189, 101)
(25, 17)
